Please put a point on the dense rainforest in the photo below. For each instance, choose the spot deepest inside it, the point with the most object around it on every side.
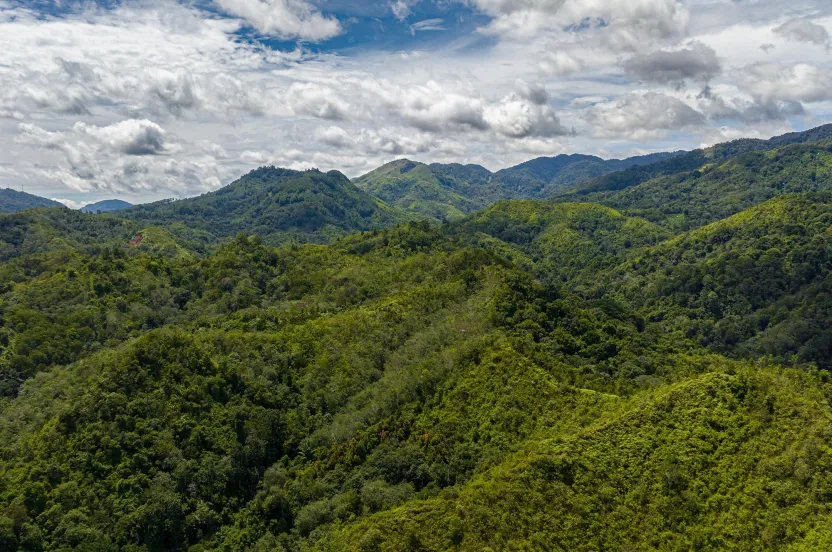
(420, 360)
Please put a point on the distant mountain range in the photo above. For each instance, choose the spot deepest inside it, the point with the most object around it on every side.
(449, 191)
(640, 361)
(677, 190)
(106, 206)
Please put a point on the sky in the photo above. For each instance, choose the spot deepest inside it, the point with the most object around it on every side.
(152, 99)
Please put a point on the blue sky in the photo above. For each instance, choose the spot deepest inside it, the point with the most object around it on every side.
(162, 98)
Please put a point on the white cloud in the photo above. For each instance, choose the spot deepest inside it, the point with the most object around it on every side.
(213, 103)
(697, 62)
(164, 63)
(525, 114)
(642, 116)
(773, 82)
(400, 9)
(427, 25)
(560, 63)
(804, 30)
(335, 137)
(730, 105)
(630, 25)
(71, 203)
(284, 18)
(316, 100)
(126, 157)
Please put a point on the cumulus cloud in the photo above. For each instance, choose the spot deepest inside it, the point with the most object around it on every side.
(284, 18)
(163, 63)
(429, 107)
(774, 82)
(335, 137)
(533, 91)
(560, 63)
(698, 62)
(642, 116)
(171, 100)
(620, 25)
(804, 30)
(360, 150)
(316, 100)
(525, 113)
(719, 108)
(131, 137)
(126, 157)
(437, 108)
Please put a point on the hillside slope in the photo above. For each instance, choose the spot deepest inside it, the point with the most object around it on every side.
(279, 205)
(290, 389)
(557, 242)
(732, 460)
(716, 190)
(12, 201)
(691, 161)
(758, 283)
(405, 389)
(544, 176)
(437, 191)
(448, 192)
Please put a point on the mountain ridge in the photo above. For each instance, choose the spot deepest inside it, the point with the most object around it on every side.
(451, 191)
(279, 204)
(12, 201)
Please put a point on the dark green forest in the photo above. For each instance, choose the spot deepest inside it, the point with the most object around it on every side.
(12, 201)
(424, 363)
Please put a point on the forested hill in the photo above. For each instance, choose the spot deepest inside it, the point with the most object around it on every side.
(450, 191)
(106, 205)
(544, 176)
(12, 201)
(717, 189)
(436, 191)
(400, 389)
(651, 373)
(280, 205)
(692, 161)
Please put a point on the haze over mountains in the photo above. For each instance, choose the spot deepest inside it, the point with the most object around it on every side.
(572, 354)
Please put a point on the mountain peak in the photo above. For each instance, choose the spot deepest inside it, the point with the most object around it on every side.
(105, 206)
(278, 204)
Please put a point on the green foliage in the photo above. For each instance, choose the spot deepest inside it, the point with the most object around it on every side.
(280, 205)
(449, 192)
(43, 230)
(756, 284)
(689, 200)
(683, 165)
(737, 460)
(436, 191)
(293, 390)
(557, 241)
(533, 376)
(544, 176)
(12, 201)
